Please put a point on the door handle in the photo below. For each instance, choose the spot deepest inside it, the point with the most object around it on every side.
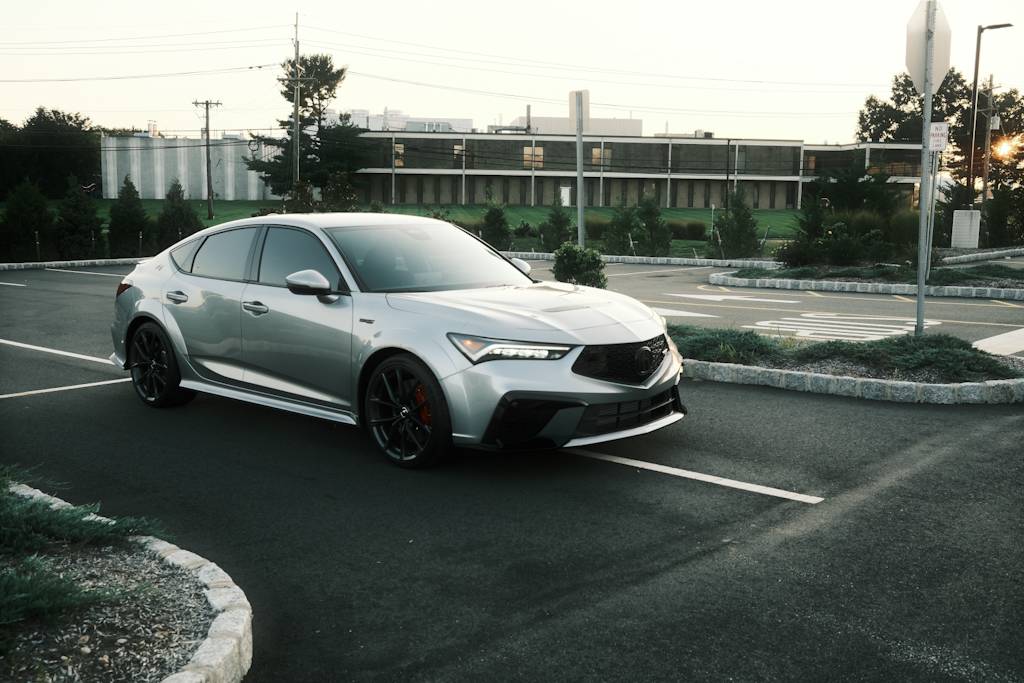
(255, 307)
(177, 296)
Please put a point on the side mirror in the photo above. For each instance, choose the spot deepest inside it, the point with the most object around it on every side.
(308, 282)
(521, 265)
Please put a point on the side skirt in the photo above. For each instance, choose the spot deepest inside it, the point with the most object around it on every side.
(269, 401)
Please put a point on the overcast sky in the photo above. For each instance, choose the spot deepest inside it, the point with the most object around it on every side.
(791, 69)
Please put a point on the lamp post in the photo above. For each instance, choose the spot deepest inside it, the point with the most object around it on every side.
(974, 103)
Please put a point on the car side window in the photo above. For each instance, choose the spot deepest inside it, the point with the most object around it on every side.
(287, 251)
(182, 256)
(224, 255)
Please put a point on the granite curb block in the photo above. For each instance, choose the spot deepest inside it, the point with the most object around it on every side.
(40, 265)
(727, 280)
(983, 256)
(656, 260)
(990, 392)
(226, 654)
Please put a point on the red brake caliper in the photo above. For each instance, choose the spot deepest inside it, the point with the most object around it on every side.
(420, 395)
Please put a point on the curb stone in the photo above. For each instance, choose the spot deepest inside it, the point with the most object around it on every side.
(983, 256)
(1001, 391)
(726, 279)
(656, 260)
(40, 265)
(226, 654)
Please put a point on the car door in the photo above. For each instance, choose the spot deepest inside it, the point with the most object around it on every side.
(295, 345)
(204, 300)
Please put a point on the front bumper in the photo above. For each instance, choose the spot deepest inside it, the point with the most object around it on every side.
(543, 404)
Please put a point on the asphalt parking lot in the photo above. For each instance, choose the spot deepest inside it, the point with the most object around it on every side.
(889, 546)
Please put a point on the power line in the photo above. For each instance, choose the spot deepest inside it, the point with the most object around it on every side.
(135, 76)
(581, 67)
(149, 37)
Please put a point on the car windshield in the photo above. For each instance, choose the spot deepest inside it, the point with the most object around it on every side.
(421, 257)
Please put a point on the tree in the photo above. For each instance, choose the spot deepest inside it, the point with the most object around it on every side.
(177, 218)
(735, 231)
(319, 85)
(655, 235)
(326, 150)
(496, 230)
(50, 145)
(78, 225)
(624, 224)
(27, 221)
(898, 119)
(556, 230)
(127, 219)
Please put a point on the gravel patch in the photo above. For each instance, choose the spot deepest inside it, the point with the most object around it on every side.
(149, 631)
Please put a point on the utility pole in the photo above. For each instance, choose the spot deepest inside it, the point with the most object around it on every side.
(923, 247)
(580, 228)
(206, 104)
(297, 83)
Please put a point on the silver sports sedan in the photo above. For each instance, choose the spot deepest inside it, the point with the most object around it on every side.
(411, 327)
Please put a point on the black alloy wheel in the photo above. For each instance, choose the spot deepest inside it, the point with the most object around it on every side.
(406, 413)
(154, 368)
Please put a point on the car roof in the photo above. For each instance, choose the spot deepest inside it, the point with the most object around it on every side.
(328, 220)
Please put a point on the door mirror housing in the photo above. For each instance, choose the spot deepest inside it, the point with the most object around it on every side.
(309, 282)
(521, 265)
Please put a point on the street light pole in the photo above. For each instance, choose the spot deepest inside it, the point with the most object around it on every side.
(974, 104)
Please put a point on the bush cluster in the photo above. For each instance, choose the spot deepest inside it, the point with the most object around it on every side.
(734, 234)
(688, 230)
(579, 266)
(847, 239)
(495, 229)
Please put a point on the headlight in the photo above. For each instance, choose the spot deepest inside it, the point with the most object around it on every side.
(480, 349)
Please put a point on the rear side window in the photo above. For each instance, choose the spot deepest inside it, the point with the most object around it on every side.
(225, 254)
(287, 251)
(182, 256)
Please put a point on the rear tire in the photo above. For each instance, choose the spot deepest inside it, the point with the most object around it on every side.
(406, 414)
(154, 368)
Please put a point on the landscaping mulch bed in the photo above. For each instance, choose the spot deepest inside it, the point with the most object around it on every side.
(149, 628)
(932, 359)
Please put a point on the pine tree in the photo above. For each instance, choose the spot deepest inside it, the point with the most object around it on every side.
(177, 218)
(78, 225)
(555, 231)
(26, 218)
(735, 231)
(655, 236)
(127, 219)
(496, 230)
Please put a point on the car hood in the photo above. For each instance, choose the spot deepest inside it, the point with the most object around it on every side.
(543, 311)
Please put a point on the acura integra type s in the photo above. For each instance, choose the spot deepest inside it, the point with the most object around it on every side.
(410, 327)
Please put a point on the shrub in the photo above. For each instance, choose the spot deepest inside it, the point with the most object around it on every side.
(801, 251)
(579, 266)
(27, 216)
(524, 229)
(655, 235)
(556, 230)
(438, 212)
(597, 227)
(735, 231)
(997, 218)
(127, 220)
(495, 229)
(376, 207)
(903, 228)
(624, 224)
(177, 218)
(861, 224)
(722, 346)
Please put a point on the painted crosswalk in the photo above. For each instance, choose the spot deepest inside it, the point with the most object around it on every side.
(831, 326)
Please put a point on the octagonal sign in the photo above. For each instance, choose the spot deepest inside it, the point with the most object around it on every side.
(916, 34)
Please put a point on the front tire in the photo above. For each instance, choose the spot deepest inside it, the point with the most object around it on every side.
(406, 413)
(154, 368)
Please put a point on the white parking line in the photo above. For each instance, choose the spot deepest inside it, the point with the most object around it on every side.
(84, 272)
(663, 270)
(67, 388)
(12, 284)
(20, 345)
(708, 478)
(1004, 344)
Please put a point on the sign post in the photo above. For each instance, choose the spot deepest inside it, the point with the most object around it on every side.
(927, 57)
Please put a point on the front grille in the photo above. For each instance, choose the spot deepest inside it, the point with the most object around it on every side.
(623, 363)
(616, 417)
